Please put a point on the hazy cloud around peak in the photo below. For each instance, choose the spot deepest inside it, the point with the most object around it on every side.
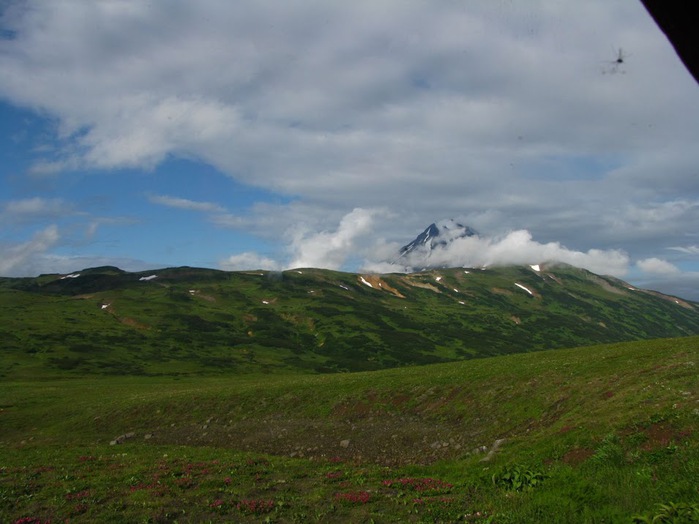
(515, 248)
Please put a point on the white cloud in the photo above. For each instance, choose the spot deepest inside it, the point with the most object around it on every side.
(330, 249)
(147, 129)
(309, 248)
(313, 96)
(687, 250)
(352, 239)
(249, 260)
(186, 204)
(15, 258)
(229, 220)
(516, 248)
(33, 209)
(658, 266)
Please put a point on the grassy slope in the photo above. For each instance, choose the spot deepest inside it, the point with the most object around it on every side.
(193, 321)
(613, 428)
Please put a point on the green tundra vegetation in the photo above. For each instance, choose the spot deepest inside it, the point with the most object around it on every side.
(186, 321)
(122, 401)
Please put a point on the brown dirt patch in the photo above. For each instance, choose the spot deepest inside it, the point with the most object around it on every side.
(386, 439)
(661, 435)
(424, 285)
(400, 399)
(577, 456)
(133, 323)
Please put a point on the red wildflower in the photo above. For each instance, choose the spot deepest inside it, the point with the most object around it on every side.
(354, 497)
(255, 506)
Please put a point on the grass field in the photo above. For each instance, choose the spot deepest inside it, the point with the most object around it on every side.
(594, 434)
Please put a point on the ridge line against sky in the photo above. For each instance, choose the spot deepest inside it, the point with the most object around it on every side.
(265, 135)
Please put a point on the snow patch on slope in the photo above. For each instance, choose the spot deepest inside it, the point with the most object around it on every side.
(524, 288)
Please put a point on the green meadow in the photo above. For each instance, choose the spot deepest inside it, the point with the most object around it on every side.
(603, 433)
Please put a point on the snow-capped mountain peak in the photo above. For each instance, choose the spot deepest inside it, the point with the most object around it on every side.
(436, 235)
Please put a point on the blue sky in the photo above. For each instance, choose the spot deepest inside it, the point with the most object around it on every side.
(122, 215)
(243, 135)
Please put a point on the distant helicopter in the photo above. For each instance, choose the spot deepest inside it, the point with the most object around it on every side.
(620, 56)
(614, 66)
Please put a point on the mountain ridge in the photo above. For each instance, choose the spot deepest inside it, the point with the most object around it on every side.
(182, 320)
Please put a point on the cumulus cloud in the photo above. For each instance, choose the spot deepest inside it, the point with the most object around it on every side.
(330, 249)
(149, 128)
(15, 257)
(327, 249)
(658, 266)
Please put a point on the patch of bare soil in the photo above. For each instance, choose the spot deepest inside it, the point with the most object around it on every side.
(661, 435)
(424, 285)
(133, 323)
(200, 295)
(387, 439)
(577, 456)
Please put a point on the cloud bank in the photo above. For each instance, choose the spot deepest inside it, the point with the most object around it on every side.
(355, 238)
(515, 248)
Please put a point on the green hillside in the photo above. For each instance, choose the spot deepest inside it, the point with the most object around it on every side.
(594, 434)
(182, 321)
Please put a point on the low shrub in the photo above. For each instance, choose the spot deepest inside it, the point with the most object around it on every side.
(518, 478)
